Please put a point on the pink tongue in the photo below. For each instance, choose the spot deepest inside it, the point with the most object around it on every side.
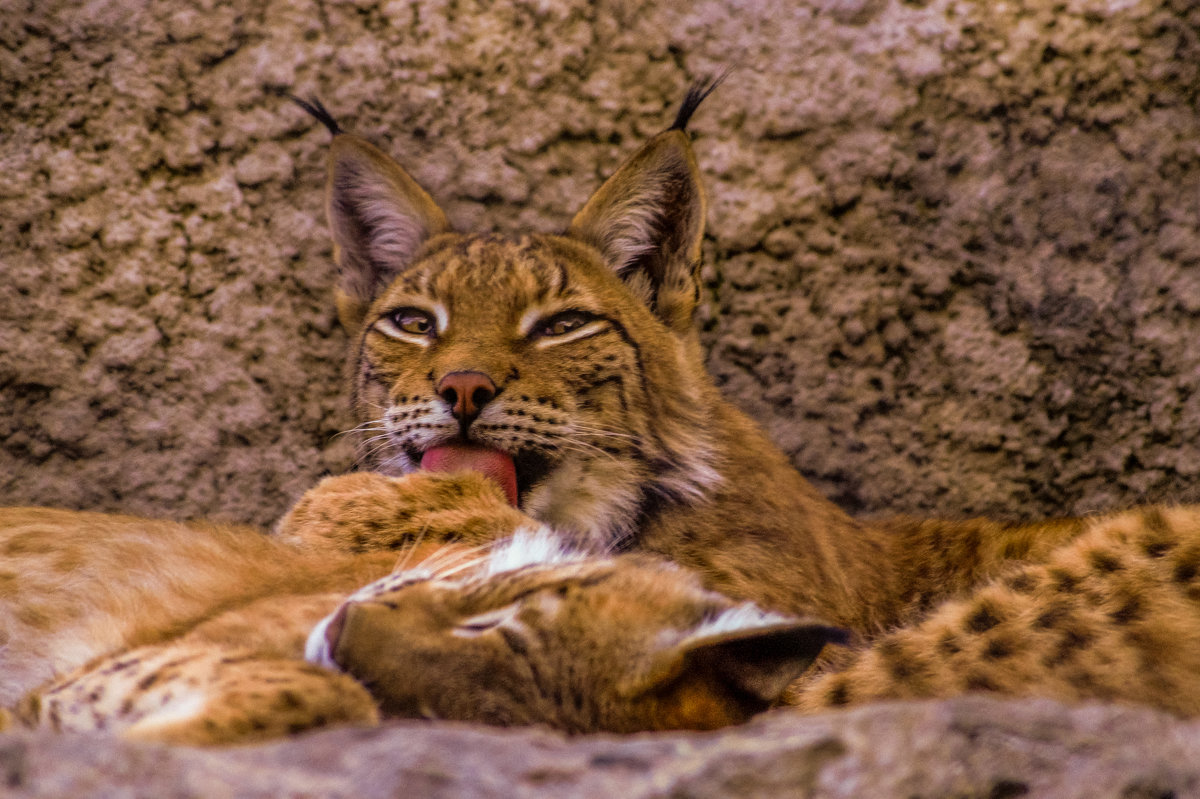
(491, 463)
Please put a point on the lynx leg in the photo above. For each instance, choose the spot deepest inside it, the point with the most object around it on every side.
(199, 696)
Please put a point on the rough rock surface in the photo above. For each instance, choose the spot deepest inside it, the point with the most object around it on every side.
(953, 266)
(968, 749)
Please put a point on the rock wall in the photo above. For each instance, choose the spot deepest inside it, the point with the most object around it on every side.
(953, 263)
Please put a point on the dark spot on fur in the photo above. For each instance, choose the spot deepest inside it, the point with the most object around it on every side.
(1021, 583)
(291, 700)
(980, 682)
(1083, 681)
(999, 648)
(1186, 567)
(838, 693)
(1077, 638)
(1073, 639)
(898, 662)
(1051, 617)
(1064, 581)
(1156, 548)
(1129, 612)
(1104, 561)
(146, 682)
(982, 619)
(970, 543)
(121, 665)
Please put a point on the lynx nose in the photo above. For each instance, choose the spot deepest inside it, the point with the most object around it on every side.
(466, 393)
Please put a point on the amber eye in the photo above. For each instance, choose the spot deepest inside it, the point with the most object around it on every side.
(563, 323)
(412, 320)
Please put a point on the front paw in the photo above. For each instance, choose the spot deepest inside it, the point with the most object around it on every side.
(366, 511)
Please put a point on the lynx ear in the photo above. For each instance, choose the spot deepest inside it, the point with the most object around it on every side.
(647, 220)
(724, 676)
(379, 218)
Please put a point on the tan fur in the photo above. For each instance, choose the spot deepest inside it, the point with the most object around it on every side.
(193, 633)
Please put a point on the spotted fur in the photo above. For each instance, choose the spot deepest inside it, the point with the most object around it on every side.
(1112, 614)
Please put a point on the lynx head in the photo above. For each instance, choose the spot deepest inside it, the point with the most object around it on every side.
(582, 644)
(565, 364)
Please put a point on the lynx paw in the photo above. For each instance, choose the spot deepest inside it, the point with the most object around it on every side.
(199, 696)
(365, 511)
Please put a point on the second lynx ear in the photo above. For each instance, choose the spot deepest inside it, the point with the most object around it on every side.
(712, 679)
(379, 218)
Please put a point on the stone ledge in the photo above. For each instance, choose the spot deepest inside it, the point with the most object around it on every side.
(968, 747)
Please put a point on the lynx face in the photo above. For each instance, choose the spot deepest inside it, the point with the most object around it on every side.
(539, 635)
(566, 367)
(531, 348)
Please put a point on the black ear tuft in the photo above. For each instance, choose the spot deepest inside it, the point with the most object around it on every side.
(696, 94)
(322, 115)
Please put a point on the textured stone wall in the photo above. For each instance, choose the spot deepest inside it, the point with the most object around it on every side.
(953, 264)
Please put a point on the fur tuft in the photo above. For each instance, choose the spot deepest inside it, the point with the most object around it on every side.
(322, 115)
(696, 95)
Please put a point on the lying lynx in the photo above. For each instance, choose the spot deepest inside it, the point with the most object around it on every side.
(530, 631)
(197, 635)
(550, 391)
(632, 642)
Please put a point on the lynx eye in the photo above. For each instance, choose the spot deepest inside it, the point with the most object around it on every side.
(563, 323)
(412, 321)
(484, 622)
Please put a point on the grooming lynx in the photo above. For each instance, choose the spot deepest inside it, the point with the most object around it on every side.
(568, 368)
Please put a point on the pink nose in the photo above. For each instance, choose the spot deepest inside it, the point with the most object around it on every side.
(466, 393)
